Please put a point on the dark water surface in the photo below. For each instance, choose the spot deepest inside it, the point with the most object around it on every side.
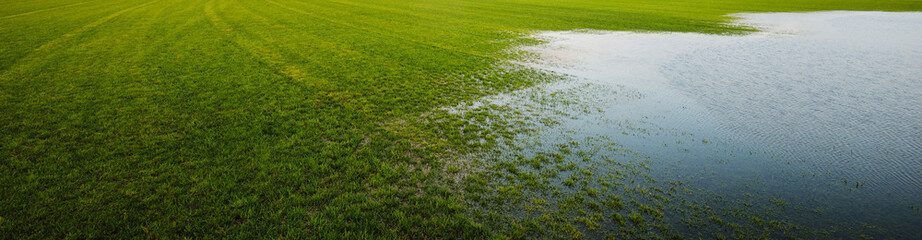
(820, 111)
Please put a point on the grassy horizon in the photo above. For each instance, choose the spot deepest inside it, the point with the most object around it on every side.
(276, 118)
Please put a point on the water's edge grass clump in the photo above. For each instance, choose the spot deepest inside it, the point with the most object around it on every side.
(287, 118)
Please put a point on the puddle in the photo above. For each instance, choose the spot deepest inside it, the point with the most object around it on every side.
(816, 118)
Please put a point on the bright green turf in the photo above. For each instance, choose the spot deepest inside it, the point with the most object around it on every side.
(239, 118)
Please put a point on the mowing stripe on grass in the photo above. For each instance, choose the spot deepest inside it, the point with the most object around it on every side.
(57, 42)
(21, 65)
(383, 33)
(44, 10)
(266, 55)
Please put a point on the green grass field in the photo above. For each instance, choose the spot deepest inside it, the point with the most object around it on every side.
(275, 118)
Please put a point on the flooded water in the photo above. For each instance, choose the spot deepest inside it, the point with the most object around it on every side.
(819, 112)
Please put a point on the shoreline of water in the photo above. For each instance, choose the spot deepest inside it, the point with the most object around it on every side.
(783, 112)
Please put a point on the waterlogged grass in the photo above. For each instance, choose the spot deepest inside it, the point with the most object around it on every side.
(289, 118)
(542, 183)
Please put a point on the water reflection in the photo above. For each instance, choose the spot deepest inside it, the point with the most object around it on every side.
(820, 109)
